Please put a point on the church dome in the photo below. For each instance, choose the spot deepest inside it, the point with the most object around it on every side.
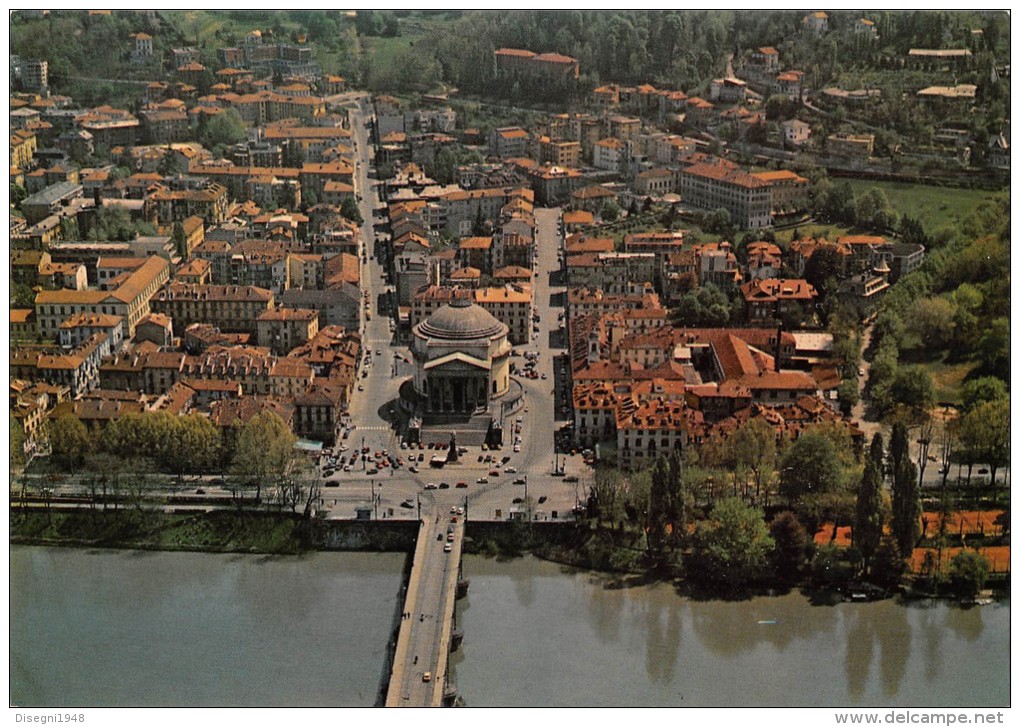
(461, 319)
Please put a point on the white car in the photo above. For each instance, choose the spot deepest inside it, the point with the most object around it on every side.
(510, 470)
(517, 448)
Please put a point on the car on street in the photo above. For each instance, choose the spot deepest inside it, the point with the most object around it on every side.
(372, 471)
(482, 481)
(431, 486)
(493, 473)
(521, 481)
(360, 387)
(444, 485)
(542, 499)
(449, 538)
(407, 504)
(517, 448)
(446, 549)
(413, 470)
(510, 470)
(461, 485)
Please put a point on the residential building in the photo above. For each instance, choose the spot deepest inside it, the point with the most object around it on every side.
(768, 301)
(228, 307)
(817, 22)
(866, 28)
(284, 329)
(168, 206)
(796, 132)
(78, 369)
(789, 191)
(510, 61)
(721, 184)
(130, 299)
(509, 142)
(50, 201)
(851, 146)
(609, 154)
(79, 328)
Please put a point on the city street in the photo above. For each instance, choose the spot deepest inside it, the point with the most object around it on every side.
(374, 415)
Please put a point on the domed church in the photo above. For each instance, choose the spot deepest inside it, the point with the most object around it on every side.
(462, 359)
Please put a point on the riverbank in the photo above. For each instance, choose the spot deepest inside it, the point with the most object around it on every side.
(279, 533)
(220, 531)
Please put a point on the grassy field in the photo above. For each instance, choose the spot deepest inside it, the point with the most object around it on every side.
(829, 232)
(948, 378)
(934, 206)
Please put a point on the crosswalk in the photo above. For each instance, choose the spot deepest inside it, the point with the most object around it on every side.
(370, 429)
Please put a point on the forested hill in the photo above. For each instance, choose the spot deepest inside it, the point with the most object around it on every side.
(685, 49)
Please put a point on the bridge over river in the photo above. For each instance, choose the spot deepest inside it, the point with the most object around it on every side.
(427, 633)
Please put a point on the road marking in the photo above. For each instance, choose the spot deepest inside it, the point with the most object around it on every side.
(371, 429)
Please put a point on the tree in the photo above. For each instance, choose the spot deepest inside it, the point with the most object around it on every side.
(180, 241)
(349, 209)
(906, 494)
(993, 349)
(823, 269)
(732, 548)
(810, 466)
(17, 193)
(869, 517)
(932, 319)
(980, 390)
(17, 443)
(912, 387)
(610, 211)
(833, 566)
(753, 447)
(22, 295)
(848, 394)
(887, 564)
(792, 543)
(69, 440)
(984, 435)
(968, 573)
(223, 129)
(264, 451)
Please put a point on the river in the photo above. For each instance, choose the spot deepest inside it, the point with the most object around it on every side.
(132, 628)
(105, 628)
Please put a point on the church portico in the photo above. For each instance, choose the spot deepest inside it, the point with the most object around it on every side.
(462, 361)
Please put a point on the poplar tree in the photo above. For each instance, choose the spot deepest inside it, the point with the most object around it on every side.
(869, 516)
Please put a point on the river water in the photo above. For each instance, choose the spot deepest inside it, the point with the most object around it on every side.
(105, 628)
(131, 628)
